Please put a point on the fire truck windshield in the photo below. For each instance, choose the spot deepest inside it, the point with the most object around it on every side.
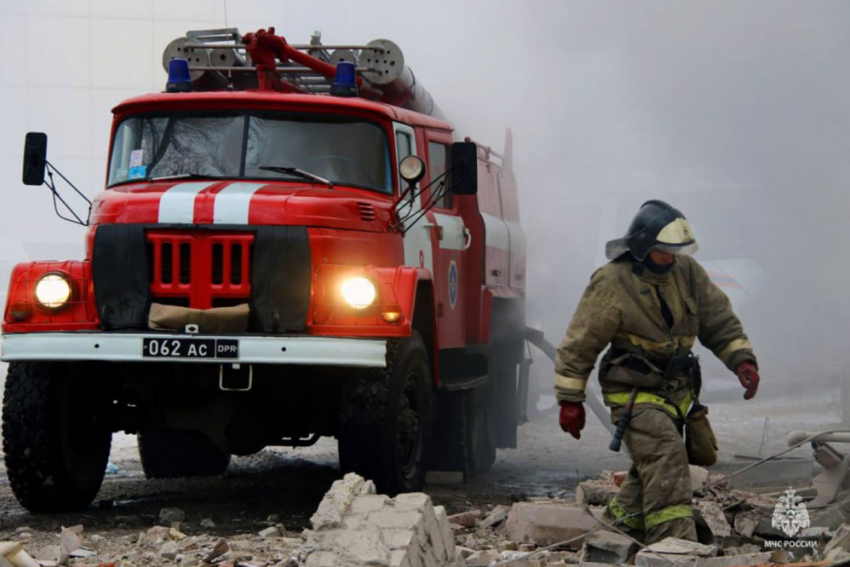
(240, 146)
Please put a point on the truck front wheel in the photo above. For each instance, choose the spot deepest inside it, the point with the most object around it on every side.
(386, 420)
(55, 436)
(174, 454)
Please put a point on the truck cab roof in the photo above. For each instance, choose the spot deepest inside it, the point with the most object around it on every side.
(265, 100)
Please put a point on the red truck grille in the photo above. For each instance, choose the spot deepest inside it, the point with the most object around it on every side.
(200, 269)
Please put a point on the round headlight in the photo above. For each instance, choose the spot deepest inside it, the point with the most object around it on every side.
(359, 292)
(412, 169)
(53, 291)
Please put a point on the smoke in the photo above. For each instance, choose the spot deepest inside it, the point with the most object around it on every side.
(734, 112)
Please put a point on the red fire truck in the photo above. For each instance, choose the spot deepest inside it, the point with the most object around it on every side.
(290, 245)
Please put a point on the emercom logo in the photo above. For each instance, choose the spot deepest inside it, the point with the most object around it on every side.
(790, 514)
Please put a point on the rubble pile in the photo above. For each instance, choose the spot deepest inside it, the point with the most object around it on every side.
(354, 526)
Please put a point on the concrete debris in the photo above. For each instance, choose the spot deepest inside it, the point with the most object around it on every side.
(545, 524)
(699, 477)
(712, 515)
(221, 547)
(169, 550)
(841, 540)
(675, 551)
(745, 549)
(466, 519)
(49, 554)
(595, 492)
(745, 524)
(608, 547)
(734, 560)
(353, 526)
(273, 531)
(496, 516)
(14, 554)
(482, 558)
(356, 527)
(71, 539)
(338, 499)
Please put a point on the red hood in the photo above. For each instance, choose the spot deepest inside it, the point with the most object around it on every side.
(239, 203)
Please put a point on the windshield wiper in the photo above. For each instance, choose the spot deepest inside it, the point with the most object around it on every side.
(183, 176)
(294, 171)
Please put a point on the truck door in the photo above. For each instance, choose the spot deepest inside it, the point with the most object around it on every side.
(418, 245)
(496, 255)
(510, 214)
(452, 242)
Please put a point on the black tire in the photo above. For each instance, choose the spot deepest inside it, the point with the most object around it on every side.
(55, 436)
(479, 451)
(385, 422)
(175, 454)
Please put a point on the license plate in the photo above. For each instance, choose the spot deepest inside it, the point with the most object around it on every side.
(190, 348)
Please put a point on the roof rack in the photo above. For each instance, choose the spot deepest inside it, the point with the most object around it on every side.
(223, 59)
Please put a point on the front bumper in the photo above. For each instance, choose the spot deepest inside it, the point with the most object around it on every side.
(126, 347)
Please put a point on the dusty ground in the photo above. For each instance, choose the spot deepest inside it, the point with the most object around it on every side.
(289, 483)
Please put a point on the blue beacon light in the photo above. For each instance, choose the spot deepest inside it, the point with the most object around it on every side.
(179, 80)
(345, 80)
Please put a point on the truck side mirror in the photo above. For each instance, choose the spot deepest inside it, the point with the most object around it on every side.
(35, 158)
(464, 168)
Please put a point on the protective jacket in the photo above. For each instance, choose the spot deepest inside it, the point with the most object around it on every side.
(651, 322)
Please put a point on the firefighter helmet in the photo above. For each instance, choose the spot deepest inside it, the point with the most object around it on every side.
(656, 225)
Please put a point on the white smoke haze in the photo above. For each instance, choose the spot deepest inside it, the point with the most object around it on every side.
(735, 112)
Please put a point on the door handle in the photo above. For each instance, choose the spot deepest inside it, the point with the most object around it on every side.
(467, 238)
(439, 228)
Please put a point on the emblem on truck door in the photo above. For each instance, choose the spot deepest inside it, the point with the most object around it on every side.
(453, 284)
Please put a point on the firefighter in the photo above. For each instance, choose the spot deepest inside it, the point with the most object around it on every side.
(649, 304)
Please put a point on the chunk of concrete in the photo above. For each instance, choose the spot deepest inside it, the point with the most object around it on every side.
(361, 529)
(482, 558)
(760, 558)
(608, 547)
(841, 540)
(337, 501)
(745, 524)
(545, 524)
(466, 519)
(673, 550)
(699, 476)
(496, 516)
(595, 492)
(168, 550)
(272, 531)
(713, 517)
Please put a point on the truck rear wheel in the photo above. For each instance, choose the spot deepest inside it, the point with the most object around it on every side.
(174, 454)
(55, 436)
(386, 420)
(479, 452)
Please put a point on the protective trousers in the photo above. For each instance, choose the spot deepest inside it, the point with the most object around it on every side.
(657, 491)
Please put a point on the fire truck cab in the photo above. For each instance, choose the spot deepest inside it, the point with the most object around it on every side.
(273, 260)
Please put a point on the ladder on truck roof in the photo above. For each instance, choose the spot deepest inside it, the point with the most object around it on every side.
(221, 59)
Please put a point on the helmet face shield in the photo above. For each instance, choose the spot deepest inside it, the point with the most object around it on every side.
(684, 250)
(676, 233)
(656, 225)
(677, 238)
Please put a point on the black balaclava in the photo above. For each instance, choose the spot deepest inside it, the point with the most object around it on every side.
(655, 268)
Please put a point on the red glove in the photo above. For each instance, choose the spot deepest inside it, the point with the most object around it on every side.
(572, 418)
(748, 375)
